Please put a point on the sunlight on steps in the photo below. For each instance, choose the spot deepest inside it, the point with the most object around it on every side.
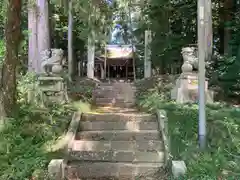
(82, 106)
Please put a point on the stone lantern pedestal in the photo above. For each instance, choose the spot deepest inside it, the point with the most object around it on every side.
(186, 87)
(52, 85)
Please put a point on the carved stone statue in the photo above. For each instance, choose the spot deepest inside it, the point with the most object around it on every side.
(186, 87)
(117, 35)
(52, 61)
(190, 60)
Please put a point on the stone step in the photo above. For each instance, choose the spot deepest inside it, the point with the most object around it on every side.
(111, 99)
(144, 146)
(105, 95)
(114, 100)
(111, 90)
(118, 125)
(101, 92)
(112, 95)
(105, 88)
(124, 135)
(115, 103)
(117, 85)
(107, 171)
(131, 115)
(117, 97)
(117, 156)
(118, 104)
(119, 111)
(115, 88)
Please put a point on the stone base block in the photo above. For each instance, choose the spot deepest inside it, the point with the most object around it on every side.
(56, 169)
(186, 89)
(185, 95)
(178, 168)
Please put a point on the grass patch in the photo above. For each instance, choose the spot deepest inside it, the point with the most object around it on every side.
(82, 106)
(23, 140)
(222, 158)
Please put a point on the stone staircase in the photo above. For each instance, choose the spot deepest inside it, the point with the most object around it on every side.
(121, 145)
(114, 94)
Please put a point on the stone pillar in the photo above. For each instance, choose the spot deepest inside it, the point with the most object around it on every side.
(43, 29)
(91, 56)
(147, 55)
(70, 41)
(33, 39)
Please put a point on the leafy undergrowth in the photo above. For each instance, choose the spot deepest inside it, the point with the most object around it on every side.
(23, 140)
(222, 157)
(82, 88)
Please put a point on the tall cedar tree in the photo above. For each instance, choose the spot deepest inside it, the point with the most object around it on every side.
(12, 40)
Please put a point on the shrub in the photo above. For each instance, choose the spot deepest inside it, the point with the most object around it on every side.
(221, 159)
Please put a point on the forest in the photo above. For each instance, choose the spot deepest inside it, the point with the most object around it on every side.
(78, 27)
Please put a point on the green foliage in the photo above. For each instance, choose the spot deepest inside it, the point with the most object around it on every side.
(82, 89)
(221, 159)
(3, 8)
(24, 138)
(26, 86)
(2, 52)
(228, 67)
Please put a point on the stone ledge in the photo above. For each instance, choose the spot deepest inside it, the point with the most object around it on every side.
(73, 128)
(65, 143)
(163, 129)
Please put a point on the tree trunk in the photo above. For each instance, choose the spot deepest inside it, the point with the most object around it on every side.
(13, 38)
(43, 28)
(147, 55)
(70, 41)
(228, 7)
(91, 55)
(208, 31)
(32, 43)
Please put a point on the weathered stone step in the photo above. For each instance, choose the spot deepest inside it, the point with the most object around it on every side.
(147, 146)
(115, 97)
(105, 88)
(115, 103)
(112, 95)
(103, 94)
(118, 125)
(117, 84)
(114, 89)
(123, 116)
(112, 100)
(118, 156)
(113, 135)
(110, 90)
(121, 171)
(118, 104)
